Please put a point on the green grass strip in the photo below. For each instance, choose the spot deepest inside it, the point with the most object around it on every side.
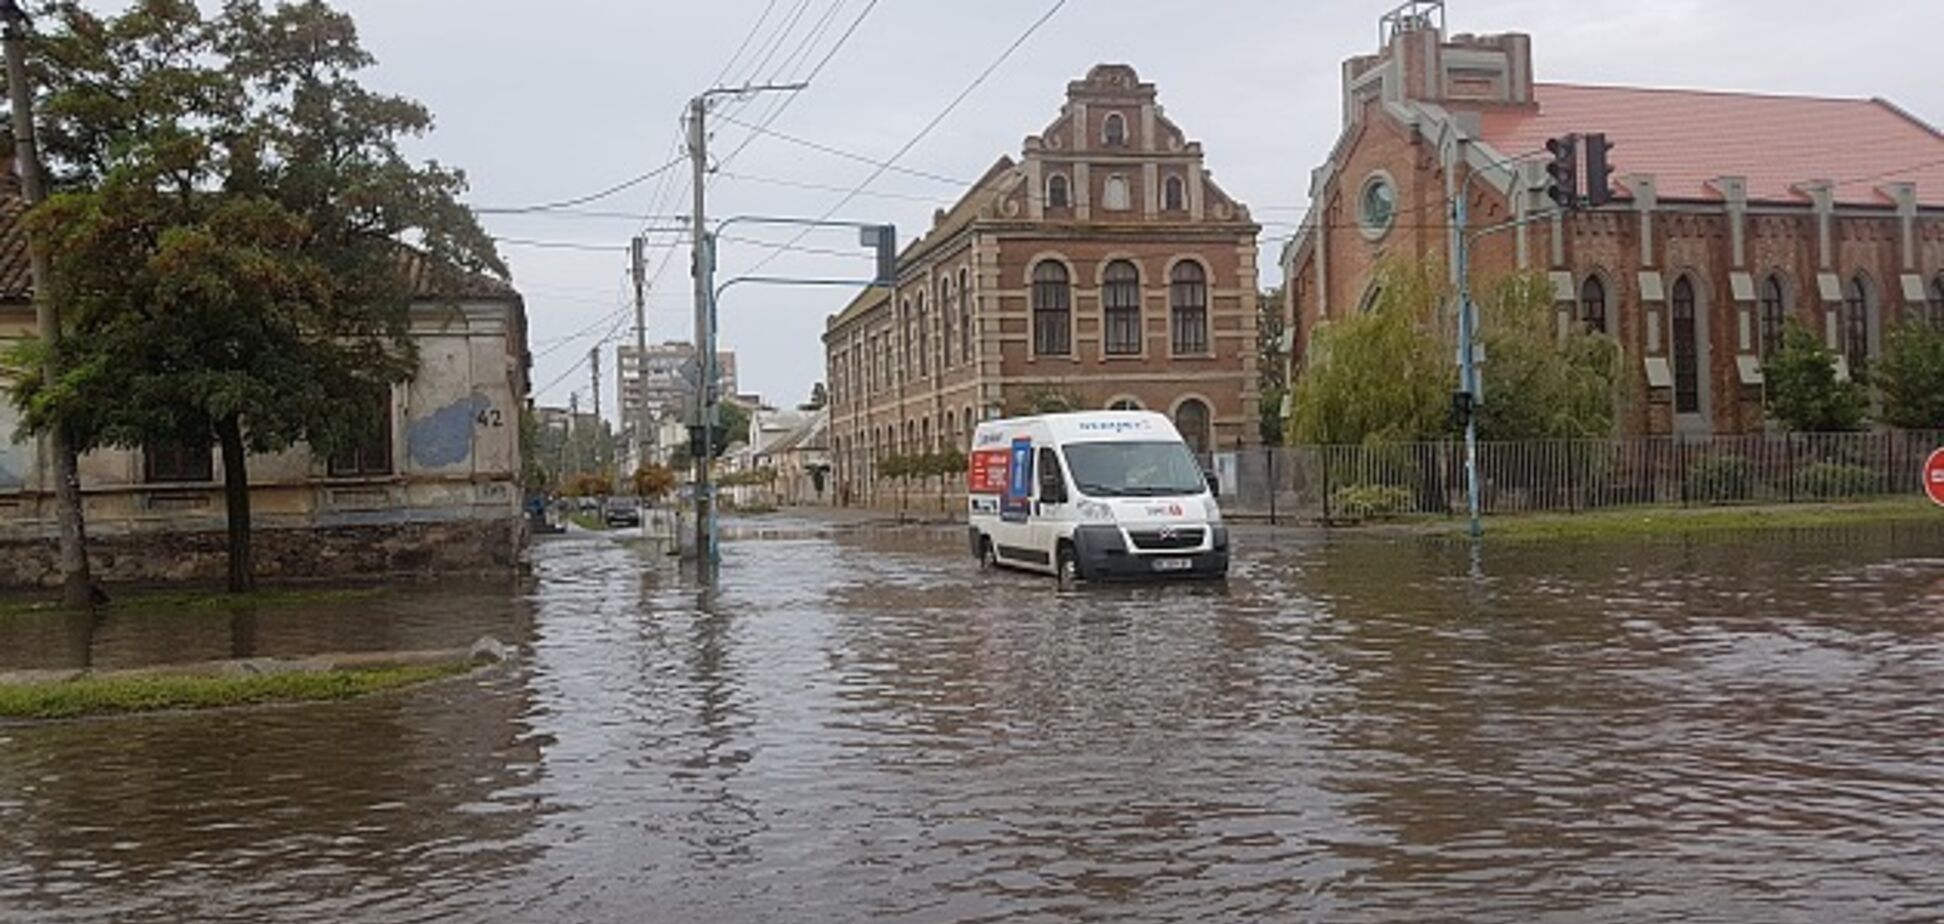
(108, 695)
(1676, 521)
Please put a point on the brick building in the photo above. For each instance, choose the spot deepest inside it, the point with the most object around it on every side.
(1104, 267)
(1733, 212)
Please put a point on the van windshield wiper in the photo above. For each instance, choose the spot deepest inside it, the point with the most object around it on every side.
(1101, 490)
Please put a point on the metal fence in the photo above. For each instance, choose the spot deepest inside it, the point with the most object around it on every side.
(1343, 483)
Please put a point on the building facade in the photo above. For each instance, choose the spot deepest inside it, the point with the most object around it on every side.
(663, 386)
(439, 489)
(1104, 268)
(1733, 213)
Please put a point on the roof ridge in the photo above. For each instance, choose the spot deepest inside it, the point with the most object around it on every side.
(1704, 91)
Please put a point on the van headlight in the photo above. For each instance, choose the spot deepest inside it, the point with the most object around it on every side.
(1095, 512)
(1211, 510)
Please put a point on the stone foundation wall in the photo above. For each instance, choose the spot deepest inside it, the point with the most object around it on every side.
(475, 546)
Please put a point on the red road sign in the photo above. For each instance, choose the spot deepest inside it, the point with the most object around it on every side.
(1934, 477)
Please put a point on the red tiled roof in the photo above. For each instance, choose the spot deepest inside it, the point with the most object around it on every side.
(1685, 138)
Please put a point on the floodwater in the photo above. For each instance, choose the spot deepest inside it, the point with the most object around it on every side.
(861, 727)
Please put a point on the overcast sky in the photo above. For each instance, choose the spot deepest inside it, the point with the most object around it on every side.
(540, 103)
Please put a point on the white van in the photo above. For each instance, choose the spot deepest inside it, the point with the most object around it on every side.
(1090, 496)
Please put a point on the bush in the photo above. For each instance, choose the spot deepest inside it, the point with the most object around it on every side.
(1838, 479)
(1370, 501)
(1721, 478)
(1911, 377)
(1803, 391)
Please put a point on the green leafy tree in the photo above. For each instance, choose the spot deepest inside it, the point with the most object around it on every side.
(1911, 377)
(653, 482)
(1538, 384)
(1272, 365)
(230, 245)
(1043, 401)
(735, 423)
(1384, 375)
(1802, 388)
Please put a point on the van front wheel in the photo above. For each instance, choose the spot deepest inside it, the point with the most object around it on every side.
(1066, 566)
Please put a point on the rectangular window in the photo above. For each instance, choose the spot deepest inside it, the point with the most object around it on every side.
(177, 463)
(372, 456)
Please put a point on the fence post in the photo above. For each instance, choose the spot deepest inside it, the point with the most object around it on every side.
(1270, 451)
(1788, 463)
(1681, 468)
(1324, 452)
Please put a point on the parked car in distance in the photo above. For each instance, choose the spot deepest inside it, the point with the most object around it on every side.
(622, 511)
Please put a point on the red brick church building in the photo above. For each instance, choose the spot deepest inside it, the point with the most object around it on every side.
(1732, 212)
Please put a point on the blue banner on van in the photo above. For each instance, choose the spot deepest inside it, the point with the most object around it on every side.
(1017, 505)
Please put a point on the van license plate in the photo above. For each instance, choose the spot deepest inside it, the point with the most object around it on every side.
(1173, 564)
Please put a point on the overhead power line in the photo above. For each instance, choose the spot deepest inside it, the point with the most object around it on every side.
(582, 200)
(943, 114)
(884, 166)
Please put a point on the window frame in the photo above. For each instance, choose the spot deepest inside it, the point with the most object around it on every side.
(1374, 230)
(1687, 387)
(1108, 136)
(174, 462)
(965, 318)
(1110, 201)
(1202, 441)
(1174, 194)
(382, 446)
(1188, 310)
(1771, 315)
(1593, 311)
(1854, 326)
(1935, 313)
(1059, 193)
(1052, 308)
(1120, 310)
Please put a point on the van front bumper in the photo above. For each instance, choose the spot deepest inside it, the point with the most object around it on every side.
(1104, 555)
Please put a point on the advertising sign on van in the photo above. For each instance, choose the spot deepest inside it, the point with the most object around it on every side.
(1018, 504)
(987, 473)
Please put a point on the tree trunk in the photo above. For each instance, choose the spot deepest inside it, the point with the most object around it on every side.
(77, 583)
(236, 499)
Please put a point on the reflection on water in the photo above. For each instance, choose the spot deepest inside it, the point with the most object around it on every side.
(859, 726)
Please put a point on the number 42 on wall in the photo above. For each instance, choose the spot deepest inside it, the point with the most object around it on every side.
(490, 417)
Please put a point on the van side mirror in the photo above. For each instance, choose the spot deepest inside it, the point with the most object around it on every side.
(1214, 483)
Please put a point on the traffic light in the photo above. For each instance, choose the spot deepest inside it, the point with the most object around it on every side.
(1563, 170)
(1599, 176)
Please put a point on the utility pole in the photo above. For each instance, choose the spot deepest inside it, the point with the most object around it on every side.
(594, 375)
(77, 584)
(702, 250)
(642, 436)
(1467, 351)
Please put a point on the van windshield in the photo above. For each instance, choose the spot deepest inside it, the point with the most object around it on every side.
(1157, 469)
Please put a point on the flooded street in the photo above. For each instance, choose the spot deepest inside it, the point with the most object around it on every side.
(861, 727)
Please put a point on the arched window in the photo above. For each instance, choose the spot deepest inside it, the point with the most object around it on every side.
(1936, 313)
(1774, 314)
(924, 338)
(1120, 299)
(1188, 308)
(1124, 404)
(1173, 198)
(1115, 198)
(1056, 191)
(1052, 309)
(1593, 305)
(1192, 419)
(904, 342)
(1856, 326)
(950, 430)
(1114, 133)
(1687, 369)
(965, 319)
(946, 318)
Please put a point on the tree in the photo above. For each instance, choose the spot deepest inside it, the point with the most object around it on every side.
(230, 247)
(1802, 389)
(1911, 377)
(1043, 401)
(1272, 365)
(653, 482)
(735, 424)
(819, 396)
(1539, 384)
(1384, 375)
